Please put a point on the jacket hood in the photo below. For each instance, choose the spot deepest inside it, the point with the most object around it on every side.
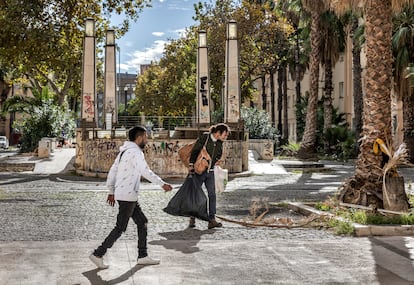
(128, 145)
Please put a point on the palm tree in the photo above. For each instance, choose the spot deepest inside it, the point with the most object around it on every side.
(403, 46)
(333, 43)
(25, 103)
(297, 57)
(307, 147)
(365, 187)
(355, 33)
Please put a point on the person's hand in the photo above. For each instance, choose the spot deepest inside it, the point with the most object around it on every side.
(219, 163)
(110, 200)
(167, 187)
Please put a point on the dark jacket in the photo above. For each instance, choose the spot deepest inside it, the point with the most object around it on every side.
(214, 149)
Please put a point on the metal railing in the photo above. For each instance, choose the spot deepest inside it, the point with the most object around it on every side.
(155, 122)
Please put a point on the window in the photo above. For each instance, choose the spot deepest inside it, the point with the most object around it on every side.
(341, 90)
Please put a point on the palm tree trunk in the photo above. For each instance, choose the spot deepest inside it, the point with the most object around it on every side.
(297, 83)
(357, 85)
(285, 107)
(272, 95)
(327, 102)
(279, 100)
(365, 187)
(408, 118)
(307, 147)
(263, 79)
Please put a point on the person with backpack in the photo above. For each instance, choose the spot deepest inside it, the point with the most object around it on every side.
(123, 182)
(213, 142)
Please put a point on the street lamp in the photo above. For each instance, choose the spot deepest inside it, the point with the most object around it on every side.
(118, 88)
(89, 27)
(232, 30)
(110, 37)
(202, 39)
(126, 98)
(232, 76)
(88, 109)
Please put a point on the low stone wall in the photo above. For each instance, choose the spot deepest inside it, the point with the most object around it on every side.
(263, 147)
(95, 156)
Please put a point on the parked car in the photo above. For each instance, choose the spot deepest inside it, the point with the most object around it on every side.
(4, 142)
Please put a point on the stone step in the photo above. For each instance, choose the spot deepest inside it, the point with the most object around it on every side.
(16, 167)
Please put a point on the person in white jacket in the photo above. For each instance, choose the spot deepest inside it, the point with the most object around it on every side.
(123, 182)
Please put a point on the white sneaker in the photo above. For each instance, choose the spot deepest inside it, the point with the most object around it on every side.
(147, 261)
(98, 261)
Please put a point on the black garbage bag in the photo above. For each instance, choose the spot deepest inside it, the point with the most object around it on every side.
(189, 201)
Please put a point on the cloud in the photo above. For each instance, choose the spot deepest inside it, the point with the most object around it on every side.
(179, 5)
(158, 34)
(180, 32)
(145, 56)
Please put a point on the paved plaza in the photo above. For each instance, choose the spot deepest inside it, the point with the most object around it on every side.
(52, 220)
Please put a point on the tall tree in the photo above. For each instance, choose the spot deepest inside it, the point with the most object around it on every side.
(260, 34)
(355, 33)
(169, 83)
(307, 147)
(285, 133)
(403, 47)
(365, 187)
(332, 44)
(43, 39)
(297, 58)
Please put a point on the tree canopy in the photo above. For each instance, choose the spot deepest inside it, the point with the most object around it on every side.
(43, 39)
(263, 39)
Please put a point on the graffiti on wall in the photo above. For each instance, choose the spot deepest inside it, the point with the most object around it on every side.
(100, 154)
(162, 148)
(89, 108)
(162, 156)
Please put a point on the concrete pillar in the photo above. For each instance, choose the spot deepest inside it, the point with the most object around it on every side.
(110, 108)
(232, 80)
(89, 75)
(202, 81)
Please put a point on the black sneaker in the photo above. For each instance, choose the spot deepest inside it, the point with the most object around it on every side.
(191, 224)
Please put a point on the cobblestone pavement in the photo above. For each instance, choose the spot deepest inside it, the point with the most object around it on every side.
(51, 222)
(65, 207)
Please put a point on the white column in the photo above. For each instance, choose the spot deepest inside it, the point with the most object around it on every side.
(110, 109)
(89, 74)
(232, 76)
(202, 81)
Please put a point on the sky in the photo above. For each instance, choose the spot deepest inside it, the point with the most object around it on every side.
(156, 25)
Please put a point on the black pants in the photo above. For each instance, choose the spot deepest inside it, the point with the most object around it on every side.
(207, 177)
(127, 210)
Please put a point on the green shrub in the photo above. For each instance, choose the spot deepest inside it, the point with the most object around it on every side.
(217, 116)
(290, 149)
(258, 124)
(344, 228)
(322, 206)
(47, 120)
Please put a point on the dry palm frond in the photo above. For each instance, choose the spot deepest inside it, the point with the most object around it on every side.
(278, 222)
(396, 158)
(256, 206)
(399, 157)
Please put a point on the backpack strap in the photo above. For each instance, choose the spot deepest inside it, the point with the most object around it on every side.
(205, 143)
(122, 153)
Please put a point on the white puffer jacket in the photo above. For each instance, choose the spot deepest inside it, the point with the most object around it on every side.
(124, 177)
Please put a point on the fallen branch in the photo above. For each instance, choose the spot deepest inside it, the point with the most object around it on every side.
(287, 226)
(259, 218)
